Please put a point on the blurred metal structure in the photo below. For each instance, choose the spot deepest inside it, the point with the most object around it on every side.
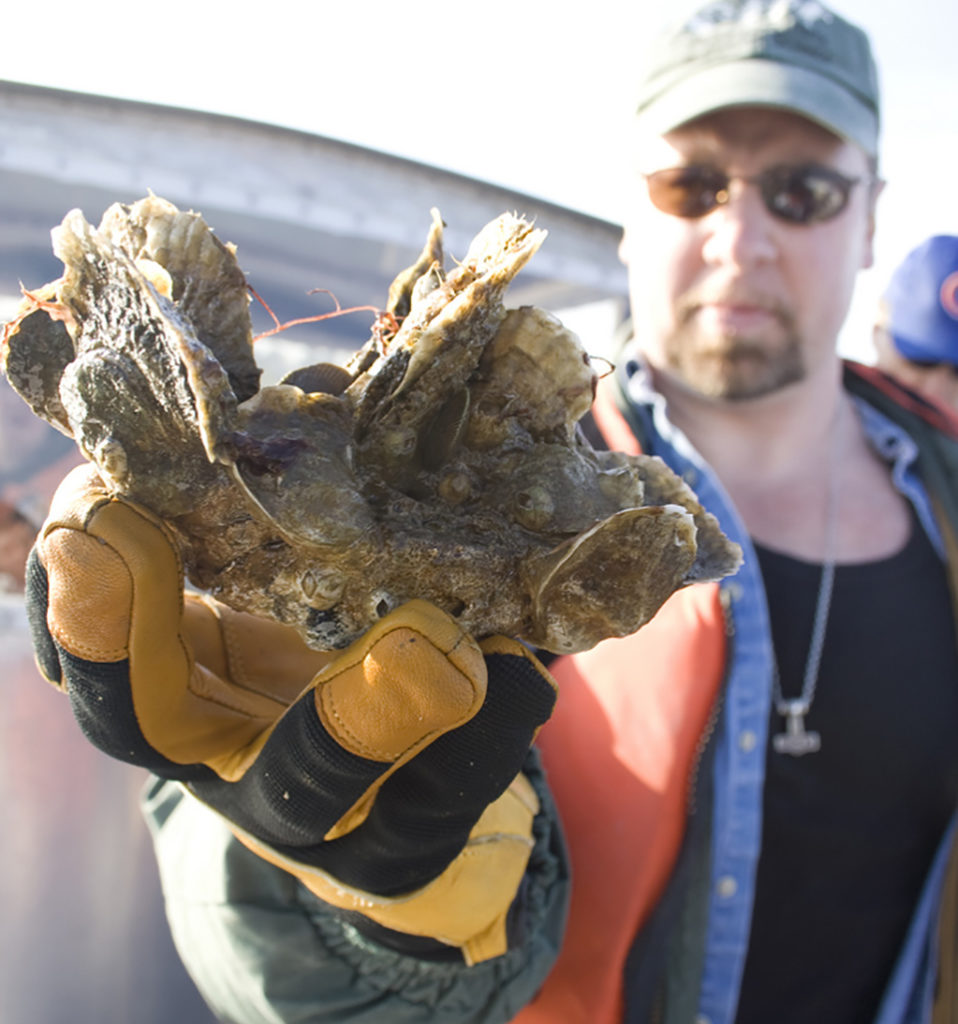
(305, 212)
(82, 928)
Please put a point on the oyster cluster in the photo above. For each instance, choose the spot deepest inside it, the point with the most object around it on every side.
(442, 462)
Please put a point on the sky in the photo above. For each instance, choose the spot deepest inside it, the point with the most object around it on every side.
(517, 93)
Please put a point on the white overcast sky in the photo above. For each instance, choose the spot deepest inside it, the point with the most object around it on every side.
(528, 94)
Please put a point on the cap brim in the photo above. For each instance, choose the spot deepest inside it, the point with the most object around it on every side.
(764, 83)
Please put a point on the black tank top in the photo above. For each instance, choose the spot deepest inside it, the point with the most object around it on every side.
(849, 832)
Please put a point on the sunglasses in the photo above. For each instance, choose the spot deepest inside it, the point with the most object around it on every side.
(801, 194)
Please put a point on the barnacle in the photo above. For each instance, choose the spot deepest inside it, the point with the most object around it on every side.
(442, 462)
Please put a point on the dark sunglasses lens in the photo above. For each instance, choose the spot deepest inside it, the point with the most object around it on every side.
(803, 195)
(686, 191)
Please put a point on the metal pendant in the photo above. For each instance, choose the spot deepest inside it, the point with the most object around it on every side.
(795, 740)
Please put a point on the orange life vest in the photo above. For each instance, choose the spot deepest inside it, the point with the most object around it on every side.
(620, 751)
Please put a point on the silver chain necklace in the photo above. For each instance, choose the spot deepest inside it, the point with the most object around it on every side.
(796, 740)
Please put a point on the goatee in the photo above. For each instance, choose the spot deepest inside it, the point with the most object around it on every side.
(731, 366)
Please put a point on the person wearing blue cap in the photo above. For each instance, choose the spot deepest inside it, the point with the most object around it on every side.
(916, 331)
(742, 814)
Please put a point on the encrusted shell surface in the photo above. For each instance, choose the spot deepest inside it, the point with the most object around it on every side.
(442, 462)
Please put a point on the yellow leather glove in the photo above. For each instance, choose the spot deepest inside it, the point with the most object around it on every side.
(386, 777)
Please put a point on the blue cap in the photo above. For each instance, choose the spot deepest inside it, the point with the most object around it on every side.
(921, 302)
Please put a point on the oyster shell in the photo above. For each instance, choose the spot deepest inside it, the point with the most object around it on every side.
(442, 462)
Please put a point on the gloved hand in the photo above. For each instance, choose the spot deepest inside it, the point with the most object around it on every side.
(386, 777)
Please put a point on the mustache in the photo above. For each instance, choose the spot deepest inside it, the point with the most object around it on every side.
(690, 302)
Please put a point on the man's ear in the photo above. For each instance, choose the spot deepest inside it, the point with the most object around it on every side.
(868, 254)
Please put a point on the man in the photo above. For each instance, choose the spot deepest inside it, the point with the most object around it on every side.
(916, 336)
(755, 792)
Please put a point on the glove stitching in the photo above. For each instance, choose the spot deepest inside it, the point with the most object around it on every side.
(375, 753)
(235, 659)
(356, 743)
(495, 837)
(366, 749)
(237, 705)
(86, 651)
(89, 515)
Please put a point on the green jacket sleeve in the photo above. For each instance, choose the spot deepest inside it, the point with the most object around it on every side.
(263, 950)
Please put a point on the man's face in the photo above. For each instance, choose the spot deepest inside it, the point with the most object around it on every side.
(739, 303)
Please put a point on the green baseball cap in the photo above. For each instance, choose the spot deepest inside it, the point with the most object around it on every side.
(796, 55)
